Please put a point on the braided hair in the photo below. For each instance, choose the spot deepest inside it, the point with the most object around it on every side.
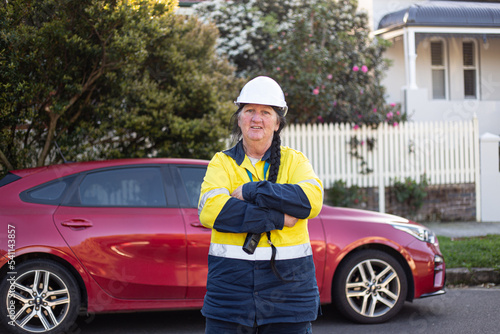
(275, 158)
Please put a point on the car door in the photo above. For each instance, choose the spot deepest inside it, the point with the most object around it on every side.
(187, 180)
(125, 227)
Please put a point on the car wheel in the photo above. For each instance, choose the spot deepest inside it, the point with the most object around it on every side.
(40, 296)
(370, 287)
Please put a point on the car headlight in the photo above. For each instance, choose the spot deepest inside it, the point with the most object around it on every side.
(419, 232)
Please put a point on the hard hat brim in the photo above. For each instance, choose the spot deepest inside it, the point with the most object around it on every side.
(283, 109)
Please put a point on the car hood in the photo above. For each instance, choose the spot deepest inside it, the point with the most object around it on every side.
(349, 214)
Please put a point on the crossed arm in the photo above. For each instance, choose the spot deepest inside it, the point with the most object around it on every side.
(289, 221)
(258, 207)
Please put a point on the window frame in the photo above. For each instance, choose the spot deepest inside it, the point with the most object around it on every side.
(475, 67)
(443, 67)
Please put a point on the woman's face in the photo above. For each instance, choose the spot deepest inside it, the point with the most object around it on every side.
(258, 123)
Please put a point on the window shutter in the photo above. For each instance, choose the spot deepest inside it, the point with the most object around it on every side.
(438, 70)
(469, 70)
(468, 48)
(437, 53)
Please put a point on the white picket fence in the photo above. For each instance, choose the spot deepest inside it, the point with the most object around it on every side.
(447, 152)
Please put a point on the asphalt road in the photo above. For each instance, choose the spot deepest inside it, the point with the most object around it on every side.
(466, 310)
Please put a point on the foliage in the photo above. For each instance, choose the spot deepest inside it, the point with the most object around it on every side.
(471, 252)
(342, 195)
(355, 150)
(247, 27)
(320, 52)
(109, 79)
(410, 192)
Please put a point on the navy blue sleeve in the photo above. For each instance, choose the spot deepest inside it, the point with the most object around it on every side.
(239, 216)
(285, 198)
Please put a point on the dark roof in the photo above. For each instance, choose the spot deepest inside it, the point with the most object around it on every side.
(444, 13)
(189, 3)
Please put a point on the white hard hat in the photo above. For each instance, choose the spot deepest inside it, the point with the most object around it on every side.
(262, 90)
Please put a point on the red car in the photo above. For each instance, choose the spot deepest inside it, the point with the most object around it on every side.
(124, 235)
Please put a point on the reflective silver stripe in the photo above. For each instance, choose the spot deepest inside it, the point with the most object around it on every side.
(315, 183)
(261, 253)
(211, 193)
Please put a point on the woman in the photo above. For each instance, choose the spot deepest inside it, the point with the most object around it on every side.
(268, 191)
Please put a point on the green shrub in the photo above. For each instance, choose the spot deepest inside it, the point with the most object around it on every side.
(410, 193)
(341, 195)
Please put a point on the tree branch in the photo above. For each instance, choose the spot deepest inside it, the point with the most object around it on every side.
(5, 161)
(50, 135)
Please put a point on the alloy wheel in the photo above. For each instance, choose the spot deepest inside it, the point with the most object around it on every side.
(373, 288)
(370, 286)
(40, 297)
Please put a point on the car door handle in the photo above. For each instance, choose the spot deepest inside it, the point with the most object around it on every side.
(199, 225)
(77, 223)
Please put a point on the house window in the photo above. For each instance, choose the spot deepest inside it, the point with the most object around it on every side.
(470, 86)
(438, 70)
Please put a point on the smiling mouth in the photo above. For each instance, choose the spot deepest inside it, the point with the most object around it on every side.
(256, 127)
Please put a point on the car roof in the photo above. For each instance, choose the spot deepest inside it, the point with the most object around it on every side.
(76, 167)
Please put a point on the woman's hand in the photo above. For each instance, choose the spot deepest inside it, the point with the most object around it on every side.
(290, 221)
(238, 193)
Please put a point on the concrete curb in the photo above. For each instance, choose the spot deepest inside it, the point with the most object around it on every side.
(474, 276)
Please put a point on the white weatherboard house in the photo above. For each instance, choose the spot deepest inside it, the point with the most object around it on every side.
(446, 67)
(446, 60)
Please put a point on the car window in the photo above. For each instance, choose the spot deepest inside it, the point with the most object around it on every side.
(134, 187)
(9, 178)
(48, 193)
(192, 177)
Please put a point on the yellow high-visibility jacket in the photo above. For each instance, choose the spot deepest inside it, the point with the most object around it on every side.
(240, 285)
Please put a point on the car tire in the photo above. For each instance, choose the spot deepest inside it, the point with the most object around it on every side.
(39, 296)
(370, 287)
